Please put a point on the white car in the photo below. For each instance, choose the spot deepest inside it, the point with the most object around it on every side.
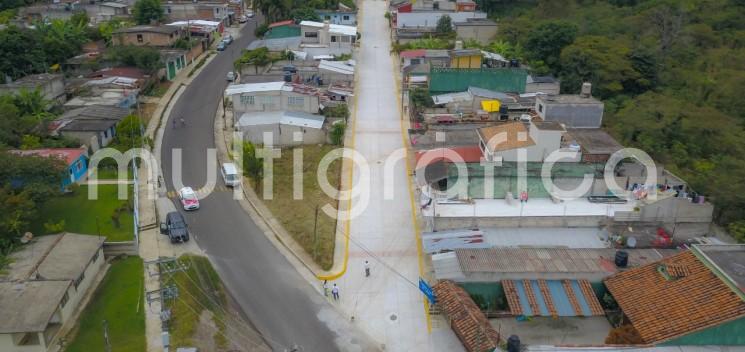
(188, 198)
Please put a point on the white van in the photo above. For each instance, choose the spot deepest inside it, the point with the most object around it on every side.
(230, 175)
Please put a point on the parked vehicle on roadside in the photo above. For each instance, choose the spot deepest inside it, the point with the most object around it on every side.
(230, 175)
(189, 199)
(221, 46)
(228, 39)
(243, 19)
(230, 76)
(175, 227)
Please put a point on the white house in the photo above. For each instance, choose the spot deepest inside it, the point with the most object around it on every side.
(273, 96)
(286, 127)
(538, 139)
(41, 291)
(324, 38)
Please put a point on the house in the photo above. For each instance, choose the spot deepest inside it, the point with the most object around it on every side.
(106, 11)
(465, 58)
(324, 38)
(158, 36)
(465, 318)
(284, 126)
(51, 86)
(200, 10)
(335, 71)
(112, 91)
(595, 144)
(542, 84)
(76, 160)
(94, 126)
(428, 19)
(573, 110)
(694, 298)
(465, 5)
(44, 287)
(273, 96)
(494, 60)
(122, 71)
(481, 30)
(412, 57)
(446, 80)
(174, 61)
(200, 28)
(539, 139)
(348, 18)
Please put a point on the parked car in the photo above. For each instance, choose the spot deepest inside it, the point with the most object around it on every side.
(175, 227)
(250, 14)
(228, 39)
(230, 175)
(243, 19)
(231, 76)
(189, 199)
(221, 46)
(289, 69)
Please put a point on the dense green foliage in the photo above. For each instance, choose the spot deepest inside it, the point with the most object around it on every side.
(29, 51)
(444, 25)
(146, 11)
(278, 10)
(142, 57)
(337, 133)
(671, 73)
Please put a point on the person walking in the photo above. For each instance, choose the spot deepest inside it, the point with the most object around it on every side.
(367, 269)
(335, 292)
(173, 123)
(325, 288)
(183, 122)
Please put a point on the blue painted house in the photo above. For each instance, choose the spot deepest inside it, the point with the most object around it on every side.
(348, 18)
(76, 160)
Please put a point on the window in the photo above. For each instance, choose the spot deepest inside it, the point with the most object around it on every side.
(311, 34)
(326, 17)
(79, 280)
(295, 101)
(78, 165)
(540, 107)
(247, 99)
(139, 38)
(168, 9)
(106, 134)
(345, 17)
(333, 39)
(64, 300)
(416, 61)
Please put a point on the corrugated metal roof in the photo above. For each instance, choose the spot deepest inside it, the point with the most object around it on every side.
(452, 97)
(443, 80)
(555, 298)
(336, 66)
(333, 28)
(254, 87)
(292, 118)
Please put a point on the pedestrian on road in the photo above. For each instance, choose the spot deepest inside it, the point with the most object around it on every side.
(183, 122)
(173, 122)
(367, 269)
(325, 288)
(335, 292)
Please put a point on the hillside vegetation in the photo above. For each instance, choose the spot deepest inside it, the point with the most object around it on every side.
(671, 73)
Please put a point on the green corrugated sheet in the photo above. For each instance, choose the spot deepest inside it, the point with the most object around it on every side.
(283, 32)
(727, 334)
(446, 80)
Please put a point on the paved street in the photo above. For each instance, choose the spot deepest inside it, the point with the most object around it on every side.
(273, 296)
(388, 304)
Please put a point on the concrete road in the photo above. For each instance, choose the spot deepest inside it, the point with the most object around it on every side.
(273, 296)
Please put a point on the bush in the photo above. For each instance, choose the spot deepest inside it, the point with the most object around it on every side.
(340, 111)
(737, 230)
(261, 30)
(51, 227)
(337, 133)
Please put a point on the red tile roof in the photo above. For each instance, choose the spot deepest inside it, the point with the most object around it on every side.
(468, 154)
(466, 319)
(411, 54)
(69, 155)
(674, 297)
(281, 23)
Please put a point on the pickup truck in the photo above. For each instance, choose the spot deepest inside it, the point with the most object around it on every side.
(175, 227)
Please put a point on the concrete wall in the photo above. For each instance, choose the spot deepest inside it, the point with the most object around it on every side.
(480, 33)
(273, 101)
(429, 19)
(548, 88)
(7, 345)
(283, 135)
(53, 89)
(455, 223)
(585, 115)
(466, 62)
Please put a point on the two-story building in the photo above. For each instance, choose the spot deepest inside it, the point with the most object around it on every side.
(42, 290)
(324, 38)
(573, 110)
(158, 36)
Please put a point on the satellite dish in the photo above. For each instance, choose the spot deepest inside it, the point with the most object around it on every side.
(27, 237)
(631, 242)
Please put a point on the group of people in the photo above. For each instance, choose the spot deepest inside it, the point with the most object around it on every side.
(335, 289)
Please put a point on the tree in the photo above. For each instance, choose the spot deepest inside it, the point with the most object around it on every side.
(444, 25)
(252, 165)
(257, 57)
(129, 132)
(337, 133)
(304, 14)
(261, 30)
(20, 52)
(545, 42)
(146, 11)
(145, 58)
(80, 19)
(421, 98)
(17, 210)
(40, 176)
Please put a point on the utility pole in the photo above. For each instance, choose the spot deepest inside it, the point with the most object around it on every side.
(107, 343)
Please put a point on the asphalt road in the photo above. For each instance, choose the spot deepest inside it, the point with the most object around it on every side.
(272, 295)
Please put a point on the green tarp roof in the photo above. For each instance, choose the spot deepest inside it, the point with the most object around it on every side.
(446, 80)
(282, 32)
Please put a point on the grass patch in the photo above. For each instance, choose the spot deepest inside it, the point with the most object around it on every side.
(112, 173)
(159, 89)
(79, 214)
(199, 288)
(299, 221)
(118, 300)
